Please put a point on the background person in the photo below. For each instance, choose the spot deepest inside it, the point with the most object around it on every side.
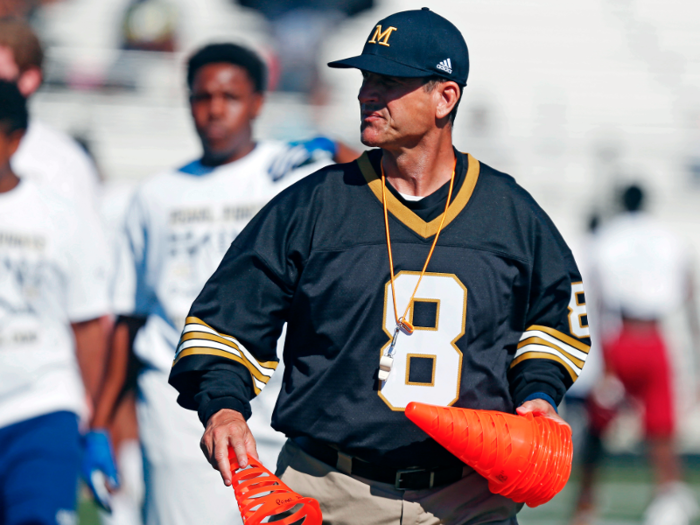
(178, 226)
(644, 274)
(46, 155)
(316, 257)
(53, 291)
(59, 165)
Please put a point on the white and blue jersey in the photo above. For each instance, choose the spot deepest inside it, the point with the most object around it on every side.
(177, 229)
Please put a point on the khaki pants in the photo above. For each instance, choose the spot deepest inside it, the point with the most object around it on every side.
(351, 500)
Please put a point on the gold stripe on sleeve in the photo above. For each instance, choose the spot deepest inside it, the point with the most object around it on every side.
(194, 336)
(189, 336)
(222, 353)
(561, 336)
(222, 339)
(542, 355)
(539, 341)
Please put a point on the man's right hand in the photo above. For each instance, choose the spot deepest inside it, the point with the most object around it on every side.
(227, 428)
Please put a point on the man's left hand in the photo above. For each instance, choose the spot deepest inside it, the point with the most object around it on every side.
(540, 407)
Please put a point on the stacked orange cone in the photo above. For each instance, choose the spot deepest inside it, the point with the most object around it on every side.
(260, 494)
(525, 458)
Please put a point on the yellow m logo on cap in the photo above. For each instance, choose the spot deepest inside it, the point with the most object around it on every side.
(381, 37)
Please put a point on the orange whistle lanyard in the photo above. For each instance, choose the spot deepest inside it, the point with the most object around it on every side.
(401, 322)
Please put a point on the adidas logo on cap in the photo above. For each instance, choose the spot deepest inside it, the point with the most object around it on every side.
(445, 65)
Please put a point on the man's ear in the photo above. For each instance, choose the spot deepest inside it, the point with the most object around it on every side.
(449, 93)
(29, 81)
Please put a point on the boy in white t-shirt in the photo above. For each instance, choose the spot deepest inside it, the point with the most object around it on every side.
(53, 289)
(177, 229)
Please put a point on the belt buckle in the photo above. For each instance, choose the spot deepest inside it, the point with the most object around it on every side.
(399, 473)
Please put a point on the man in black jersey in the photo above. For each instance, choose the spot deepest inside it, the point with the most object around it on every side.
(415, 273)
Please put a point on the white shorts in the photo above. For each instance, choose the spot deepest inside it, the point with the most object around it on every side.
(181, 487)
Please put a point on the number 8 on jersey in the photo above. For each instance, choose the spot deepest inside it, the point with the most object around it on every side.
(427, 364)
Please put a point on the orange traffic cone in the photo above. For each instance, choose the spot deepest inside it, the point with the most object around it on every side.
(525, 458)
(260, 494)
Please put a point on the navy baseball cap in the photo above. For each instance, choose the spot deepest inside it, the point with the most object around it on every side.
(416, 43)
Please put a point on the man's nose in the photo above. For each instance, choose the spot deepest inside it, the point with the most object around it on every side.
(368, 93)
(217, 106)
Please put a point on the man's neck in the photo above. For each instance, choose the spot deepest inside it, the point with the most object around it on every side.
(214, 161)
(8, 180)
(422, 169)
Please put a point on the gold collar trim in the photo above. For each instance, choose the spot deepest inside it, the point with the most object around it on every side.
(407, 216)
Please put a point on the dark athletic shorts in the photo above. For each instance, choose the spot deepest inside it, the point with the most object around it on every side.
(39, 462)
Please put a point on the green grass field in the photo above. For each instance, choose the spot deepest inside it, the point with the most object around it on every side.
(624, 491)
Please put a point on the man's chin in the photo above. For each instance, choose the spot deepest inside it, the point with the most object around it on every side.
(370, 139)
(216, 157)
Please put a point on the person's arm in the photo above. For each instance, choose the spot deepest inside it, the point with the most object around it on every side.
(97, 464)
(87, 305)
(114, 381)
(227, 353)
(130, 297)
(228, 349)
(91, 352)
(98, 467)
(555, 342)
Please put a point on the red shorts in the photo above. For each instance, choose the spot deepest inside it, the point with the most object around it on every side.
(639, 360)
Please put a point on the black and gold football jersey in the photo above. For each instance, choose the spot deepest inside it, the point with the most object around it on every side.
(499, 315)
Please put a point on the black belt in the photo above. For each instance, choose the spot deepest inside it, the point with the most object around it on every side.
(402, 479)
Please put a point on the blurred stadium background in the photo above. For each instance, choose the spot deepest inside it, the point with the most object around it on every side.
(574, 100)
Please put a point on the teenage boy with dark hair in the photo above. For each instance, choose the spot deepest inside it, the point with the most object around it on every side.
(177, 229)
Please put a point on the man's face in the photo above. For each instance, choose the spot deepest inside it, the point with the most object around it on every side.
(224, 104)
(395, 112)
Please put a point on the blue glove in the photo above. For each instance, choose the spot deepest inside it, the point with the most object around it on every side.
(301, 153)
(98, 468)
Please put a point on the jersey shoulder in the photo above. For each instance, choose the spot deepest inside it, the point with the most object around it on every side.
(163, 183)
(40, 209)
(504, 188)
(514, 209)
(53, 203)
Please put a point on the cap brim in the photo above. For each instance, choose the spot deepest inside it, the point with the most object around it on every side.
(381, 66)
